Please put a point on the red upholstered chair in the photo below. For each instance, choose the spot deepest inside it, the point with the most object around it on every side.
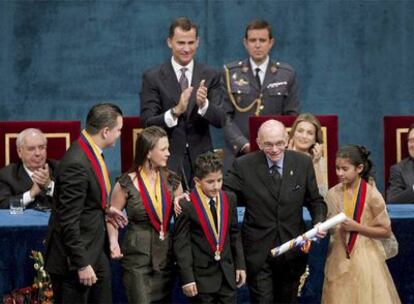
(395, 141)
(130, 131)
(329, 131)
(60, 134)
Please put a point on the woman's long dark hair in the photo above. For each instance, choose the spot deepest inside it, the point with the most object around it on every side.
(145, 142)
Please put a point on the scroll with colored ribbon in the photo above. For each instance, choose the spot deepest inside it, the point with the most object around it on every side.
(215, 237)
(309, 235)
(98, 164)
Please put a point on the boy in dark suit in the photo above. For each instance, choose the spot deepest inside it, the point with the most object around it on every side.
(207, 242)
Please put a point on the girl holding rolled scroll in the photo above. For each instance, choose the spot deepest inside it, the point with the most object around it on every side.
(355, 270)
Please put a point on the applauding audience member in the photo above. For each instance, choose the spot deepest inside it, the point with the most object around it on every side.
(306, 136)
(183, 96)
(30, 179)
(401, 182)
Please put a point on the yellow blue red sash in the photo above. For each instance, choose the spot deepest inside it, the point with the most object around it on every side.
(215, 238)
(159, 222)
(358, 210)
(98, 164)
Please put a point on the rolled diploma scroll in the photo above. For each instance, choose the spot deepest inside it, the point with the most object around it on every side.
(308, 235)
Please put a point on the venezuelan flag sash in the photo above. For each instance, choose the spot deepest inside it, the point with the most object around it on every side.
(358, 203)
(158, 211)
(215, 238)
(98, 164)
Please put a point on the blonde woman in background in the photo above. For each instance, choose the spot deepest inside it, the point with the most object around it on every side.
(306, 136)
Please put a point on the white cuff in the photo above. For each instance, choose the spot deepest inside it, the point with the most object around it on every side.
(188, 284)
(203, 110)
(27, 198)
(50, 188)
(169, 119)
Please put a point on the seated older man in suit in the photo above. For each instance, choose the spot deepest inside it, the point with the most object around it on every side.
(401, 182)
(32, 177)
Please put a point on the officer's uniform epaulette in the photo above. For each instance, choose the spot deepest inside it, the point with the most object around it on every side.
(235, 64)
(282, 65)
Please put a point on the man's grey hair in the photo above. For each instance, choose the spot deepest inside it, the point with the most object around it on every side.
(26, 132)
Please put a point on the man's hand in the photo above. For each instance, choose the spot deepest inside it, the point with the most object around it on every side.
(35, 190)
(190, 290)
(116, 217)
(240, 277)
(87, 276)
(201, 94)
(41, 176)
(245, 149)
(182, 105)
(177, 207)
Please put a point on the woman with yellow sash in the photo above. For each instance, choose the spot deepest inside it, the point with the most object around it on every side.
(355, 270)
(146, 192)
(306, 136)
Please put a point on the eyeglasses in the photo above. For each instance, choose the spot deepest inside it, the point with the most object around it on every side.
(280, 144)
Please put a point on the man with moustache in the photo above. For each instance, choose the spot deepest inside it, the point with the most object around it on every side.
(183, 96)
(255, 86)
(76, 246)
(275, 184)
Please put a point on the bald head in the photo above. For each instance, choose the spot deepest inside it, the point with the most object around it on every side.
(271, 126)
(272, 139)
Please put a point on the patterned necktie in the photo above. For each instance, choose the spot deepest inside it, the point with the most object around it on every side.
(258, 77)
(183, 79)
(213, 211)
(274, 172)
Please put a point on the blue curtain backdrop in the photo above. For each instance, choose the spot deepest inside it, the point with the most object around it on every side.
(353, 58)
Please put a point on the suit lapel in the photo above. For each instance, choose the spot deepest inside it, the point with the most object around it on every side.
(264, 174)
(409, 171)
(251, 76)
(170, 80)
(195, 82)
(289, 172)
(26, 181)
(84, 159)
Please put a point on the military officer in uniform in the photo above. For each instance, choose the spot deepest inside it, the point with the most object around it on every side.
(255, 86)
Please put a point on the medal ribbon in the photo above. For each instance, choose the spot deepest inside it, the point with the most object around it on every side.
(358, 201)
(215, 238)
(98, 164)
(158, 212)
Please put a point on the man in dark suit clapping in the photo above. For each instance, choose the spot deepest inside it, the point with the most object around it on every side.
(76, 248)
(274, 184)
(30, 179)
(184, 97)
